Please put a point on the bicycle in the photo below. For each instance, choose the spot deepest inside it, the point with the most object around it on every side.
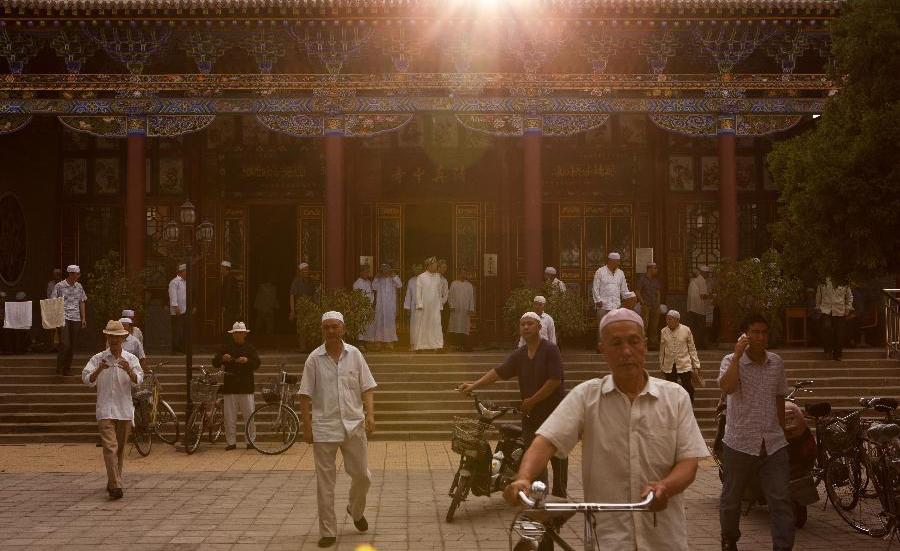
(277, 424)
(153, 415)
(541, 519)
(208, 412)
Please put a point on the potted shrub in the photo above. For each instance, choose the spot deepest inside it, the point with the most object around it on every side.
(353, 304)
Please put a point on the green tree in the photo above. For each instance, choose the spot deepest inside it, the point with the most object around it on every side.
(840, 181)
(354, 305)
(567, 309)
(110, 289)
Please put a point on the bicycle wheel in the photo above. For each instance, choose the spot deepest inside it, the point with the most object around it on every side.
(193, 430)
(847, 485)
(217, 423)
(462, 491)
(277, 427)
(142, 438)
(167, 423)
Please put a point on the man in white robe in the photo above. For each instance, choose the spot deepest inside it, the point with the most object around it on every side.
(430, 301)
(386, 284)
(409, 304)
(461, 301)
(364, 283)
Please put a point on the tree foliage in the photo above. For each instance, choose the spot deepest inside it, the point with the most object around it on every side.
(353, 304)
(840, 181)
(567, 310)
(111, 290)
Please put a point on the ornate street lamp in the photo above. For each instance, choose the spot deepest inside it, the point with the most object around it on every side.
(187, 213)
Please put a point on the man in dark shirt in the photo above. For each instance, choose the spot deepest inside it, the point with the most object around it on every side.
(648, 291)
(538, 366)
(231, 298)
(239, 360)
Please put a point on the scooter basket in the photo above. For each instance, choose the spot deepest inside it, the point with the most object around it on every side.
(467, 434)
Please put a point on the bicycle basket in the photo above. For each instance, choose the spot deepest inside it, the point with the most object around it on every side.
(201, 391)
(467, 434)
(141, 400)
(145, 386)
(840, 436)
(271, 393)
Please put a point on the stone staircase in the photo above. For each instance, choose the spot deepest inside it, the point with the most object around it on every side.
(415, 399)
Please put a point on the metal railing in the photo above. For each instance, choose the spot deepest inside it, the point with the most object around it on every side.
(891, 322)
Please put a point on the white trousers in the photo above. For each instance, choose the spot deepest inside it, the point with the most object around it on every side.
(355, 451)
(232, 403)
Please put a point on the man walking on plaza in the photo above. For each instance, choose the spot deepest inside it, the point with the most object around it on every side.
(239, 359)
(548, 326)
(178, 307)
(302, 286)
(640, 435)
(539, 369)
(231, 297)
(74, 298)
(755, 448)
(550, 278)
(608, 288)
(461, 303)
(649, 295)
(113, 372)
(698, 304)
(386, 286)
(835, 303)
(429, 303)
(337, 404)
(678, 357)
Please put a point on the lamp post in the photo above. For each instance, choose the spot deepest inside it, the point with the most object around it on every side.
(184, 234)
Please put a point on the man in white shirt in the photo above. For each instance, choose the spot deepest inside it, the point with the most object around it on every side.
(461, 302)
(113, 372)
(609, 285)
(548, 326)
(134, 330)
(550, 279)
(698, 304)
(641, 435)
(74, 300)
(178, 307)
(835, 302)
(678, 356)
(131, 343)
(336, 383)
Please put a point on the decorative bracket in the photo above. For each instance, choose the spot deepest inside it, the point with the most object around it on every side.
(121, 126)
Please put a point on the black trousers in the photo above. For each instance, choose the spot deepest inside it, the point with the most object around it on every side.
(68, 341)
(560, 465)
(684, 379)
(178, 332)
(697, 323)
(833, 335)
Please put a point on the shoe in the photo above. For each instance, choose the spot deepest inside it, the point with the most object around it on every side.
(327, 541)
(230, 447)
(362, 524)
(729, 545)
(116, 493)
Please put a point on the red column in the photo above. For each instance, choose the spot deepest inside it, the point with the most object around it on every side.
(532, 223)
(728, 206)
(335, 213)
(135, 213)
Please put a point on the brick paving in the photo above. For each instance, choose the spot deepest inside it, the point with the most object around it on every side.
(52, 497)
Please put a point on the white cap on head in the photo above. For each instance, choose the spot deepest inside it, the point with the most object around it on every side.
(333, 315)
(621, 314)
(550, 270)
(128, 313)
(239, 327)
(531, 315)
(629, 294)
(614, 256)
(182, 267)
(73, 269)
(651, 264)
(226, 264)
(704, 268)
(302, 266)
(663, 308)
(673, 314)
(540, 299)
(123, 321)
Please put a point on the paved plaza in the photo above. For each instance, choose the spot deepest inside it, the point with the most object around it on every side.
(52, 497)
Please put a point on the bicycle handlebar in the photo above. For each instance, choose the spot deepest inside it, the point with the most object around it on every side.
(643, 505)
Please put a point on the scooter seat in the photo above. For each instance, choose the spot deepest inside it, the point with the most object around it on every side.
(510, 429)
(882, 433)
(821, 409)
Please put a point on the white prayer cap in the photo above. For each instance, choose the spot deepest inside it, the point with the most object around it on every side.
(621, 314)
(663, 309)
(531, 315)
(123, 321)
(303, 266)
(332, 315)
(226, 264)
(239, 327)
(704, 268)
(128, 313)
(629, 294)
(673, 314)
(385, 266)
(540, 299)
(550, 270)
(73, 269)
(614, 256)
(182, 267)
(651, 264)
(20, 295)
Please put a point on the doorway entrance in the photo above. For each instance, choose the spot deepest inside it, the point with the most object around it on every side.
(271, 256)
(428, 231)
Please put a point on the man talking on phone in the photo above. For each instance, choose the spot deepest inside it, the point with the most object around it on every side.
(754, 444)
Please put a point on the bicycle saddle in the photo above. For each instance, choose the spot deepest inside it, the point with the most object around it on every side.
(882, 433)
(510, 429)
(884, 404)
(544, 516)
(821, 409)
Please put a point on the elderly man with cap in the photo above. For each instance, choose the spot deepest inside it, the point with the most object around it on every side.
(74, 298)
(337, 405)
(132, 344)
(630, 301)
(430, 299)
(548, 326)
(649, 292)
(550, 279)
(640, 435)
(409, 303)
(386, 286)
(698, 302)
(231, 297)
(609, 285)
(134, 329)
(113, 372)
(238, 359)
(677, 354)
(178, 307)
(302, 286)
(539, 369)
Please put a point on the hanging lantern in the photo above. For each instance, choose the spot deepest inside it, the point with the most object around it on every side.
(171, 232)
(205, 232)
